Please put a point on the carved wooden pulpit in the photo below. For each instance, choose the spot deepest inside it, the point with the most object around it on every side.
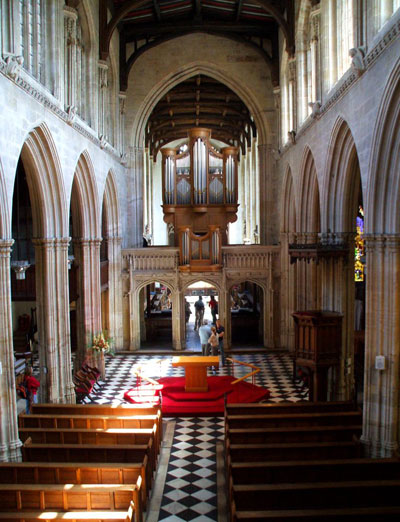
(318, 343)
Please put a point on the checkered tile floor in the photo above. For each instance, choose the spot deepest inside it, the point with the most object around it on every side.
(190, 489)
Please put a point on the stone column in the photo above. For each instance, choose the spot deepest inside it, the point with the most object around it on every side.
(103, 106)
(178, 320)
(52, 302)
(269, 201)
(381, 387)
(288, 300)
(70, 46)
(135, 197)
(332, 43)
(292, 94)
(115, 290)
(88, 308)
(121, 128)
(315, 55)
(9, 441)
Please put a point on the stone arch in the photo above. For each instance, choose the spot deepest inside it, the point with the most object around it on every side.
(196, 279)
(288, 295)
(136, 319)
(264, 126)
(383, 191)
(267, 313)
(111, 206)
(50, 237)
(342, 180)
(84, 200)
(288, 204)
(45, 182)
(308, 218)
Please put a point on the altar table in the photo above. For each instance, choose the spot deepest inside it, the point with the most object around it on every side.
(195, 371)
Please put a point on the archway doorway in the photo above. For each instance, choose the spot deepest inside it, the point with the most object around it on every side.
(247, 312)
(208, 293)
(359, 308)
(156, 315)
(23, 273)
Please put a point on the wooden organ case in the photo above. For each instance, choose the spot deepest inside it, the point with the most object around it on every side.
(200, 198)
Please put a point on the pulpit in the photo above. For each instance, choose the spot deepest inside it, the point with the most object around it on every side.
(318, 342)
(195, 371)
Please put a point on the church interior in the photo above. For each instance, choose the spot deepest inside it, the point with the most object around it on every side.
(244, 151)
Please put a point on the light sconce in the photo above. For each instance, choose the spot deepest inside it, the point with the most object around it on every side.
(20, 267)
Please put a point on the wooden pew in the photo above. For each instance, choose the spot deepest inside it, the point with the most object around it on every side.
(293, 451)
(84, 436)
(83, 453)
(293, 419)
(93, 422)
(104, 422)
(94, 409)
(289, 407)
(313, 471)
(126, 515)
(293, 435)
(64, 497)
(349, 514)
(73, 473)
(324, 495)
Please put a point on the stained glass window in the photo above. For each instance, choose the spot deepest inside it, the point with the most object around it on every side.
(359, 246)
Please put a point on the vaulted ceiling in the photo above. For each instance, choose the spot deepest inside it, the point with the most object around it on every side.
(199, 101)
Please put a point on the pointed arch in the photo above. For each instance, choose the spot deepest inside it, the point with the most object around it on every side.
(111, 207)
(45, 182)
(308, 218)
(263, 121)
(341, 192)
(382, 208)
(288, 204)
(84, 200)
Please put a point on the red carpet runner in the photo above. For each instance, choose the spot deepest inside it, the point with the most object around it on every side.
(177, 403)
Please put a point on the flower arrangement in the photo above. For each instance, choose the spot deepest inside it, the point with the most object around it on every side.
(101, 343)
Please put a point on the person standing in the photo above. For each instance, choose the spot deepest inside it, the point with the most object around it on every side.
(204, 333)
(32, 385)
(213, 341)
(220, 330)
(199, 309)
(213, 304)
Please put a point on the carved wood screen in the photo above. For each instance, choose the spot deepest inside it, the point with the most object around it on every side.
(199, 251)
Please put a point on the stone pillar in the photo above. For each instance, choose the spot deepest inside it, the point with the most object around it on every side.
(52, 301)
(121, 127)
(103, 106)
(115, 290)
(88, 305)
(70, 46)
(9, 441)
(269, 201)
(178, 320)
(315, 55)
(381, 387)
(288, 286)
(292, 94)
(135, 197)
(332, 43)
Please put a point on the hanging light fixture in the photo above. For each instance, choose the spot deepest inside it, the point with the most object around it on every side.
(20, 267)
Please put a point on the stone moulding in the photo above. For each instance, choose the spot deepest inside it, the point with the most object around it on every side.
(47, 102)
(349, 78)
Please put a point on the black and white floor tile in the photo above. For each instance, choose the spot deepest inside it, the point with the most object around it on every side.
(275, 375)
(190, 488)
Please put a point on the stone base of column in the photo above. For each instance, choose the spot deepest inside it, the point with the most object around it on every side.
(12, 452)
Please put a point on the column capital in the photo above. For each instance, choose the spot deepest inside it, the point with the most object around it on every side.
(5, 247)
(70, 12)
(45, 242)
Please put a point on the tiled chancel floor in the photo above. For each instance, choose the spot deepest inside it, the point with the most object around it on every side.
(190, 489)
